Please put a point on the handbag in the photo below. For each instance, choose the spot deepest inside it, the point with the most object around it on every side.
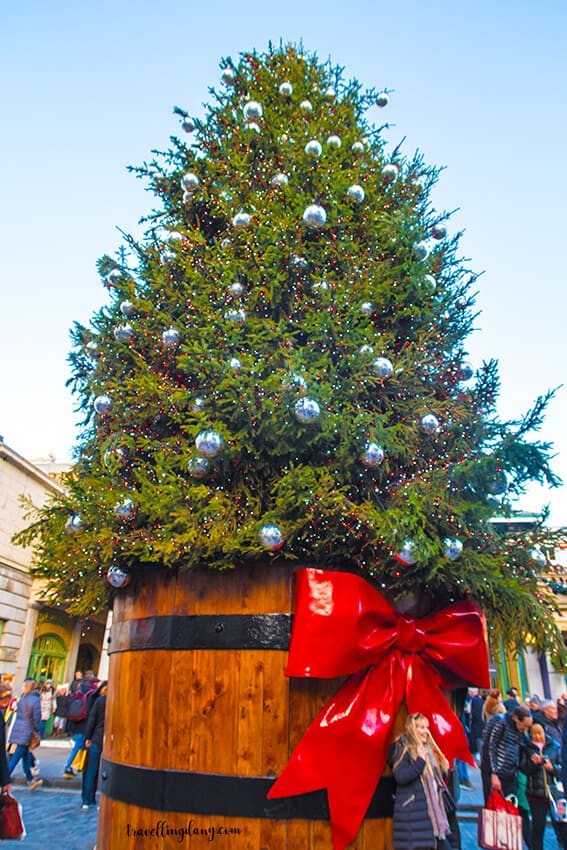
(448, 801)
(500, 824)
(556, 800)
(35, 740)
(11, 820)
(78, 762)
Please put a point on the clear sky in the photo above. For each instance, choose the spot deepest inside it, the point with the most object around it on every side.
(88, 88)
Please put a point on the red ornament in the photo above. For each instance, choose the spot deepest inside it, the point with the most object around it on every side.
(343, 626)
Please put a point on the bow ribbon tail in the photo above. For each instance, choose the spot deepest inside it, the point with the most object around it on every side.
(424, 694)
(345, 748)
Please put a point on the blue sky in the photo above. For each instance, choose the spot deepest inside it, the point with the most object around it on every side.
(88, 88)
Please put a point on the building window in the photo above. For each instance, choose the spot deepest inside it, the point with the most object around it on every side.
(47, 659)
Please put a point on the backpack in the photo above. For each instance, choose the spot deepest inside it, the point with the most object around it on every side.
(78, 707)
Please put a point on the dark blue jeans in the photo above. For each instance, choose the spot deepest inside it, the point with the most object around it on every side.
(90, 774)
(21, 752)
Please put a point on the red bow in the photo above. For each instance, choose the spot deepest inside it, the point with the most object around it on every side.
(343, 626)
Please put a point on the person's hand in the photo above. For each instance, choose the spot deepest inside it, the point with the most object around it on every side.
(6, 789)
(495, 782)
(537, 758)
(87, 744)
(547, 765)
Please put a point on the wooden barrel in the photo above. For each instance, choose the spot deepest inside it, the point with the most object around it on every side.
(201, 719)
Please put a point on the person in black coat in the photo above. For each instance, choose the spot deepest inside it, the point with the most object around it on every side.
(5, 697)
(93, 743)
(540, 760)
(420, 819)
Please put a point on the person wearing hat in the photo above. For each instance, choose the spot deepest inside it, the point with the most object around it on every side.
(5, 699)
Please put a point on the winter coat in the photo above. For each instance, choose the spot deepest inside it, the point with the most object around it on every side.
(476, 722)
(412, 824)
(4, 772)
(535, 785)
(47, 704)
(501, 746)
(28, 715)
(95, 721)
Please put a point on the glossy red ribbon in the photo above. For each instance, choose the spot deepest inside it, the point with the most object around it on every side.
(343, 626)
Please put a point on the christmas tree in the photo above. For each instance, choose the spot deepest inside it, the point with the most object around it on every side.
(281, 370)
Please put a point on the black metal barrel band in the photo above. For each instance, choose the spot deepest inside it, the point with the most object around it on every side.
(201, 631)
(218, 794)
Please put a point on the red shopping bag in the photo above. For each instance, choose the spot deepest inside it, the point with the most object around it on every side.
(500, 824)
(11, 820)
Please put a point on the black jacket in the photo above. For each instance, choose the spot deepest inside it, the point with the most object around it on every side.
(535, 785)
(501, 747)
(95, 721)
(412, 825)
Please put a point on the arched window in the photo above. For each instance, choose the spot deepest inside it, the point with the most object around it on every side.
(47, 659)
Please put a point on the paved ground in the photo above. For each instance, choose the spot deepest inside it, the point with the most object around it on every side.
(54, 818)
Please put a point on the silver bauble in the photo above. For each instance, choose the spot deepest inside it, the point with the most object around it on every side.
(382, 100)
(330, 93)
(293, 381)
(188, 124)
(279, 180)
(439, 231)
(306, 410)
(382, 368)
(241, 219)
(235, 364)
(453, 548)
(92, 349)
(366, 308)
(373, 455)
(127, 309)
(460, 302)
(115, 456)
(102, 404)
(236, 289)
(465, 371)
(125, 510)
(198, 467)
(286, 89)
(73, 525)
(113, 277)
(366, 350)
(225, 244)
(123, 333)
(117, 578)
(190, 181)
(168, 256)
(271, 536)
(228, 76)
(252, 111)
(430, 283)
(171, 338)
(198, 405)
(187, 197)
(313, 148)
(209, 443)
(390, 173)
(321, 286)
(315, 216)
(334, 142)
(236, 317)
(299, 262)
(421, 250)
(357, 147)
(306, 106)
(430, 424)
(407, 554)
(538, 556)
(252, 127)
(356, 193)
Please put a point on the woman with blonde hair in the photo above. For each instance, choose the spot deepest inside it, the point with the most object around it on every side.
(418, 765)
(493, 705)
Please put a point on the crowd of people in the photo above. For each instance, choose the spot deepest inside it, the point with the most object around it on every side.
(77, 710)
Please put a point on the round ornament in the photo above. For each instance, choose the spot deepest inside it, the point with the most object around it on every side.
(460, 302)
(421, 250)
(198, 405)
(225, 244)
(113, 277)
(306, 410)
(171, 338)
(366, 308)
(439, 231)
(236, 317)
(314, 216)
(115, 456)
(117, 578)
(190, 182)
(241, 219)
(334, 142)
(252, 111)
(465, 371)
(123, 333)
(102, 404)
(235, 364)
(209, 443)
(366, 350)
(294, 381)
(299, 262)
(382, 368)
(407, 554)
(357, 147)
(73, 525)
(279, 180)
(373, 455)
(271, 536)
(252, 127)
(382, 100)
(453, 548)
(127, 309)
(198, 467)
(168, 256)
(430, 424)
(430, 283)
(390, 173)
(92, 349)
(236, 289)
(173, 236)
(306, 106)
(286, 89)
(228, 76)
(313, 148)
(125, 510)
(188, 124)
(356, 193)
(538, 556)
(330, 93)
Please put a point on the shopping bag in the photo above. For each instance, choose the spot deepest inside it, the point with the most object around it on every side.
(500, 824)
(11, 820)
(78, 762)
